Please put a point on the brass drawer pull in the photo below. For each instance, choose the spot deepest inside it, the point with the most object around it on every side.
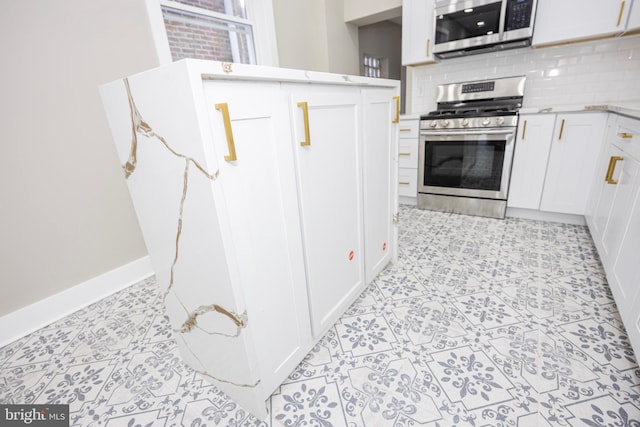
(561, 129)
(404, 183)
(224, 109)
(612, 167)
(524, 129)
(625, 135)
(397, 119)
(404, 154)
(305, 117)
(620, 14)
(405, 129)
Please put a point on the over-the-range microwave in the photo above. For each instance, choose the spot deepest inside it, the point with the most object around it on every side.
(464, 27)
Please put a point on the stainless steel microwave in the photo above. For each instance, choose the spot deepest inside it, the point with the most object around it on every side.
(465, 27)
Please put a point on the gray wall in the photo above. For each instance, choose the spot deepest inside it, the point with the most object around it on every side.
(66, 212)
(382, 40)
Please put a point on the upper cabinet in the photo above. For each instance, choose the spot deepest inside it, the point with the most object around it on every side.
(569, 20)
(417, 31)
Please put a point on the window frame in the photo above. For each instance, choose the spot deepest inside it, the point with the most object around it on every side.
(259, 18)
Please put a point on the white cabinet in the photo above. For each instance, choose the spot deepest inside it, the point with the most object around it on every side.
(257, 241)
(533, 142)
(379, 177)
(614, 218)
(408, 157)
(329, 189)
(575, 147)
(569, 20)
(261, 218)
(633, 23)
(417, 31)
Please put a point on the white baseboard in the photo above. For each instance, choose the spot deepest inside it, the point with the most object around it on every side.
(28, 319)
(546, 216)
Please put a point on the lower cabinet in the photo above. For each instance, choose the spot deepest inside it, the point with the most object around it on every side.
(533, 142)
(554, 160)
(266, 203)
(575, 146)
(613, 217)
(329, 189)
(408, 157)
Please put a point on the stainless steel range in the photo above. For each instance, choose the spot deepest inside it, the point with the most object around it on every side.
(466, 147)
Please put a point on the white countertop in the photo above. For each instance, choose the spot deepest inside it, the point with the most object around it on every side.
(627, 109)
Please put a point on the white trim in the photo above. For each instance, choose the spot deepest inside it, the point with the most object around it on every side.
(158, 32)
(205, 12)
(545, 216)
(42, 313)
(260, 12)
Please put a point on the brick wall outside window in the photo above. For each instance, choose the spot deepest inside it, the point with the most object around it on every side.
(192, 35)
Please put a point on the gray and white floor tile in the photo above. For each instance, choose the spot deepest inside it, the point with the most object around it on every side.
(482, 322)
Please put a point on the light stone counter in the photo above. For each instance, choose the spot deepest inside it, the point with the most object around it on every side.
(626, 109)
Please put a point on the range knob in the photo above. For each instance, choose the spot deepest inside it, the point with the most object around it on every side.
(465, 122)
(433, 124)
(444, 123)
(500, 120)
(486, 122)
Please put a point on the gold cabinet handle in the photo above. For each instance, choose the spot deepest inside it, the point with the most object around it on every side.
(611, 169)
(305, 116)
(524, 129)
(625, 135)
(404, 154)
(397, 119)
(405, 129)
(224, 108)
(561, 129)
(428, 45)
(404, 183)
(620, 14)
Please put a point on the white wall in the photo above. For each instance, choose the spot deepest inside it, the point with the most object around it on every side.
(596, 72)
(312, 35)
(66, 213)
(364, 12)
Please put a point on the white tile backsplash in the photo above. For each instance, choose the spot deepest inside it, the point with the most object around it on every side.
(596, 72)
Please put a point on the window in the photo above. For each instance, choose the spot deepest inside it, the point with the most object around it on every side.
(209, 29)
(372, 66)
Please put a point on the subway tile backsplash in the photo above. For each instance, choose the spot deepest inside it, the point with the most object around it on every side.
(596, 72)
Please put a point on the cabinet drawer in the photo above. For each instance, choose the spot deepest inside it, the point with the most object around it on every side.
(408, 153)
(409, 128)
(408, 182)
(627, 136)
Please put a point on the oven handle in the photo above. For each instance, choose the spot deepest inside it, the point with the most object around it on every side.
(469, 132)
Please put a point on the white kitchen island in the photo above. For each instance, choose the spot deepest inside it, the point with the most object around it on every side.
(267, 199)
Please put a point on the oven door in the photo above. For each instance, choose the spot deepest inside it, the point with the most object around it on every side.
(467, 24)
(471, 163)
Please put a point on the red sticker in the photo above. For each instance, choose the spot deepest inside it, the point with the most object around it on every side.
(384, 246)
(351, 255)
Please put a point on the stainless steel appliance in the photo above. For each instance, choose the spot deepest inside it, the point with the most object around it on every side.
(477, 26)
(466, 147)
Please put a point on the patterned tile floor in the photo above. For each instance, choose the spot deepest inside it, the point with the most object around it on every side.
(481, 323)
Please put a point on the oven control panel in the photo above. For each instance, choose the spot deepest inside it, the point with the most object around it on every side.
(469, 122)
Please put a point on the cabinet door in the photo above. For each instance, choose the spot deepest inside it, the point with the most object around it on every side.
(259, 191)
(417, 31)
(633, 23)
(572, 161)
(327, 151)
(530, 160)
(380, 136)
(625, 272)
(567, 20)
(603, 206)
(624, 178)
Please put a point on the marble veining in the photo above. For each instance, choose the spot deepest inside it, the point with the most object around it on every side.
(482, 322)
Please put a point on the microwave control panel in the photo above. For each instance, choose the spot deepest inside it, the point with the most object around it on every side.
(518, 14)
